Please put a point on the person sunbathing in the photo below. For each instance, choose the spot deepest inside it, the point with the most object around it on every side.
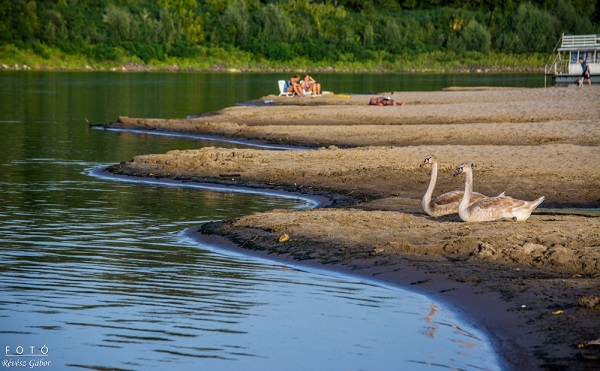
(385, 101)
(293, 86)
(310, 85)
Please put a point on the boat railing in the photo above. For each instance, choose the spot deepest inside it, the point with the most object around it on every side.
(574, 41)
(557, 64)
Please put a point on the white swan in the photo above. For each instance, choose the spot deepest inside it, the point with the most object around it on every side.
(493, 208)
(446, 203)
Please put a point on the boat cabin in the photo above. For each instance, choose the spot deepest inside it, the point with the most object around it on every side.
(565, 68)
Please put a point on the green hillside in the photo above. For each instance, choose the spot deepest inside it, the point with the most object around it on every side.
(253, 35)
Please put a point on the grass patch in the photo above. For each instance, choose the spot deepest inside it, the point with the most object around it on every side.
(219, 59)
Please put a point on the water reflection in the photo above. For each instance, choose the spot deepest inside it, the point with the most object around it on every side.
(99, 272)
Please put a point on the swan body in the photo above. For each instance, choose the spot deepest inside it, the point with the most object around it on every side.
(492, 208)
(444, 204)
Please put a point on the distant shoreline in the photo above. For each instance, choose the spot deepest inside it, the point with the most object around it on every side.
(14, 58)
(139, 67)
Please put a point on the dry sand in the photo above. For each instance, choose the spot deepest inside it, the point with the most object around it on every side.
(534, 286)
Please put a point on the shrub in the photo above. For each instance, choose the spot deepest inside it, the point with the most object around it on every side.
(476, 37)
(534, 29)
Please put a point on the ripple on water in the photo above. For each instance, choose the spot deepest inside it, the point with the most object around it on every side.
(112, 284)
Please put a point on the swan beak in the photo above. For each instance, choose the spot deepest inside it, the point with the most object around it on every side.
(458, 171)
(426, 161)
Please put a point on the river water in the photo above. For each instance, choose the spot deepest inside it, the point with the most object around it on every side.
(96, 273)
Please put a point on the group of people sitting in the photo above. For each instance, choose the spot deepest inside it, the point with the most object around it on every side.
(303, 86)
(308, 86)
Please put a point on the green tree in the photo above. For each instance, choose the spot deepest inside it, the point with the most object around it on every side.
(55, 29)
(148, 28)
(274, 25)
(534, 30)
(476, 37)
(186, 11)
(570, 21)
(18, 21)
(391, 35)
(235, 23)
(368, 35)
(170, 28)
(120, 23)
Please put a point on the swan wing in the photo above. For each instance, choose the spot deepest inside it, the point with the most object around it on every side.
(447, 203)
(496, 203)
(491, 208)
(476, 196)
(499, 207)
(452, 197)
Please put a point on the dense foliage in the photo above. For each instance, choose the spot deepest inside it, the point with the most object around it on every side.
(369, 34)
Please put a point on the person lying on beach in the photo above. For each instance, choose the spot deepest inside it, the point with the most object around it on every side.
(293, 86)
(310, 85)
(384, 101)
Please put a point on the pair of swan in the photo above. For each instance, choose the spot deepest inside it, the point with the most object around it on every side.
(473, 206)
(446, 203)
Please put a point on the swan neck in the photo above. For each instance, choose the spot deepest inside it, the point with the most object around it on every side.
(464, 203)
(469, 184)
(432, 182)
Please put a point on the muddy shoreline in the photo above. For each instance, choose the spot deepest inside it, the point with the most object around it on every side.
(531, 286)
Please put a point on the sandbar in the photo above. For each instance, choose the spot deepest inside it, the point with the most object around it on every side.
(533, 286)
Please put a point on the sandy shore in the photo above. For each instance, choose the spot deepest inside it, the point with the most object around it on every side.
(534, 286)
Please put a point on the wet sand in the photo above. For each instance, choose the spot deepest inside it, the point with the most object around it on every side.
(533, 286)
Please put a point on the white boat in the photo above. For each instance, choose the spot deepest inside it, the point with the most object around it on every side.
(565, 68)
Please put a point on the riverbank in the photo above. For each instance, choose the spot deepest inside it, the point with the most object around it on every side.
(183, 66)
(532, 286)
(231, 61)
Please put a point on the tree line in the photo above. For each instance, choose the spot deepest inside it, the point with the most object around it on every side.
(364, 32)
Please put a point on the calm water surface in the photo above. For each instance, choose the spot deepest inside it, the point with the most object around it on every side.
(96, 274)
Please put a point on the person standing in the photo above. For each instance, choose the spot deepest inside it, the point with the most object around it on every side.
(586, 72)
